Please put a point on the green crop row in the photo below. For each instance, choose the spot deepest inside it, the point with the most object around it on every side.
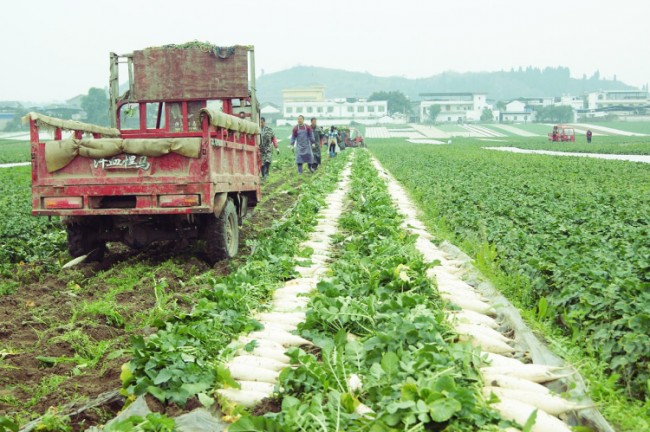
(603, 145)
(383, 340)
(181, 360)
(574, 234)
(14, 151)
(23, 237)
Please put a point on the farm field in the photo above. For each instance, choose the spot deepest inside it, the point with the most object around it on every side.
(604, 145)
(450, 128)
(567, 239)
(14, 151)
(165, 326)
(537, 128)
(629, 126)
(64, 339)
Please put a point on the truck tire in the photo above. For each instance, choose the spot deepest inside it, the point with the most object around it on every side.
(79, 245)
(221, 234)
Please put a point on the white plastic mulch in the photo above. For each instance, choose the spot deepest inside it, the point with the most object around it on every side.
(630, 158)
(14, 164)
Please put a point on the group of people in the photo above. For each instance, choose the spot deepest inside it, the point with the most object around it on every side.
(306, 140)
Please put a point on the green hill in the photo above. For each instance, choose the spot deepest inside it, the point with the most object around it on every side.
(502, 85)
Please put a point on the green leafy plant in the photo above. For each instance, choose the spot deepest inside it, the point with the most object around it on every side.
(378, 319)
(154, 422)
(180, 360)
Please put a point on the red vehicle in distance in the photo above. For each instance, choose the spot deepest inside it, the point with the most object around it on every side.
(562, 133)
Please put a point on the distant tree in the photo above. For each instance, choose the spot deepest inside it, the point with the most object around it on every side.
(434, 110)
(564, 114)
(555, 114)
(397, 101)
(487, 115)
(501, 105)
(95, 103)
(15, 124)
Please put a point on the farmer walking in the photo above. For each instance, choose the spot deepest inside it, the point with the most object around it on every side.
(588, 136)
(342, 140)
(267, 142)
(303, 138)
(332, 138)
(318, 143)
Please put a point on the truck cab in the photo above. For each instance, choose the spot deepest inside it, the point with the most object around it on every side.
(176, 163)
(562, 133)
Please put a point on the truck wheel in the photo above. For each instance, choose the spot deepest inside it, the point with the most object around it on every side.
(79, 245)
(222, 234)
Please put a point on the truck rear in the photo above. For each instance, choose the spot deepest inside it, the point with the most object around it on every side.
(180, 162)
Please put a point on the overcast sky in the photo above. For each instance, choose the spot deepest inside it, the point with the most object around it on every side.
(54, 50)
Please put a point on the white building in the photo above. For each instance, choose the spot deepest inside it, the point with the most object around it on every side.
(454, 107)
(270, 112)
(538, 101)
(612, 99)
(335, 111)
(577, 103)
(517, 111)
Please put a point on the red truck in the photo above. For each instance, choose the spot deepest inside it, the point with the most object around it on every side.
(562, 133)
(181, 160)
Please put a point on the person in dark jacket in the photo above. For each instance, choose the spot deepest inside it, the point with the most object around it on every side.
(267, 142)
(332, 140)
(318, 143)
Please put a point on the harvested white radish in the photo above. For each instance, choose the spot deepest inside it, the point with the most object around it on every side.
(429, 251)
(278, 326)
(284, 301)
(290, 306)
(245, 398)
(293, 290)
(257, 386)
(472, 329)
(320, 238)
(354, 383)
(313, 270)
(469, 303)
(269, 353)
(258, 362)
(282, 337)
(445, 287)
(520, 412)
(282, 317)
(76, 261)
(260, 343)
(418, 231)
(320, 256)
(307, 282)
(363, 411)
(487, 344)
(288, 294)
(499, 360)
(250, 373)
(554, 405)
(442, 274)
(511, 382)
(326, 224)
(316, 246)
(461, 291)
(320, 261)
(471, 317)
(531, 372)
